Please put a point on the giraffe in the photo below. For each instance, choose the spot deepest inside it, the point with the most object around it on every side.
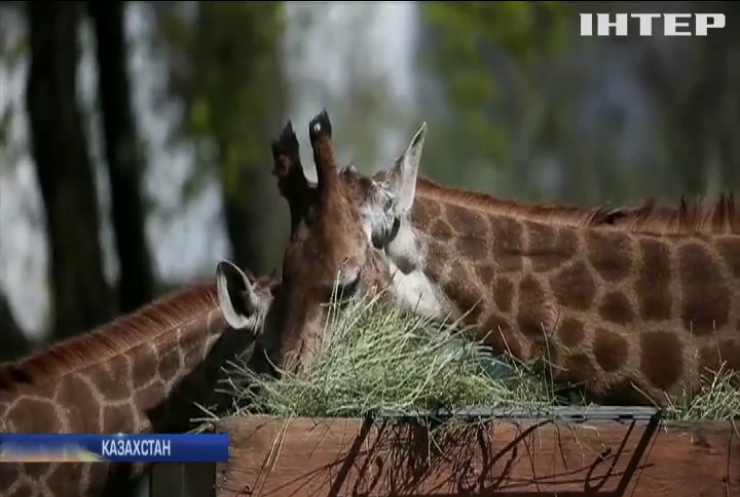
(342, 264)
(141, 373)
(633, 308)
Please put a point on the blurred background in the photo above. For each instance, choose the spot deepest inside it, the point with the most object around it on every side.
(135, 136)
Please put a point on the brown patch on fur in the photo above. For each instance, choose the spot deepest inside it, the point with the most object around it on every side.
(570, 331)
(653, 284)
(472, 248)
(441, 230)
(661, 358)
(610, 350)
(578, 369)
(623, 393)
(610, 253)
(707, 306)
(468, 296)
(110, 340)
(715, 356)
(507, 244)
(535, 317)
(474, 223)
(424, 213)
(503, 294)
(43, 420)
(499, 337)
(80, 400)
(553, 247)
(486, 273)
(574, 286)
(616, 308)
(144, 367)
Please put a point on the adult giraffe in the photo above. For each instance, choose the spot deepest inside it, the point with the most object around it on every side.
(631, 304)
(141, 373)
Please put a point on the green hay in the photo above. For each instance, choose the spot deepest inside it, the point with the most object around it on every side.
(375, 357)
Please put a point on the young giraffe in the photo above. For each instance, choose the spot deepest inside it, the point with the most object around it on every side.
(633, 307)
(142, 373)
(341, 262)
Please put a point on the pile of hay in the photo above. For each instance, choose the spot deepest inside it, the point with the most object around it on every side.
(376, 358)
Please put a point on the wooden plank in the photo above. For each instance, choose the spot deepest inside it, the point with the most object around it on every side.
(323, 457)
(182, 480)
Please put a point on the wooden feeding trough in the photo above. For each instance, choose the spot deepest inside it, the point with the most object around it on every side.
(593, 452)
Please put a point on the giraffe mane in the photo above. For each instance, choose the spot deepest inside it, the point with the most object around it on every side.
(691, 216)
(151, 321)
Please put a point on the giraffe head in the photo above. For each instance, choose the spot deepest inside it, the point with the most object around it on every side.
(382, 210)
(329, 254)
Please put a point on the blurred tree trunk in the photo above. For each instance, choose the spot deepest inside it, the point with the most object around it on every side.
(136, 282)
(13, 342)
(81, 296)
(247, 62)
(225, 62)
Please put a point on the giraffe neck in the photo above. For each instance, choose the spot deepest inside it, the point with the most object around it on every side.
(600, 305)
(139, 374)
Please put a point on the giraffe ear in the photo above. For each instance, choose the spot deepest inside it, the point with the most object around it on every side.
(401, 182)
(236, 297)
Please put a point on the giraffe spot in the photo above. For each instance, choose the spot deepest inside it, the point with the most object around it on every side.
(465, 294)
(44, 419)
(574, 286)
(497, 334)
(577, 369)
(705, 305)
(610, 350)
(729, 249)
(503, 294)
(435, 261)
(194, 355)
(486, 273)
(546, 354)
(81, 403)
(150, 395)
(535, 316)
(661, 358)
(112, 378)
(473, 248)
(67, 476)
(507, 244)
(424, 211)
(144, 367)
(570, 331)
(118, 418)
(465, 221)
(623, 393)
(713, 358)
(550, 247)
(616, 308)
(610, 253)
(440, 230)
(653, 283)
(170, 363)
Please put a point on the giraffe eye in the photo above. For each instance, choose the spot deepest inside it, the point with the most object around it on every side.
(386, 236)
(347, 290)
